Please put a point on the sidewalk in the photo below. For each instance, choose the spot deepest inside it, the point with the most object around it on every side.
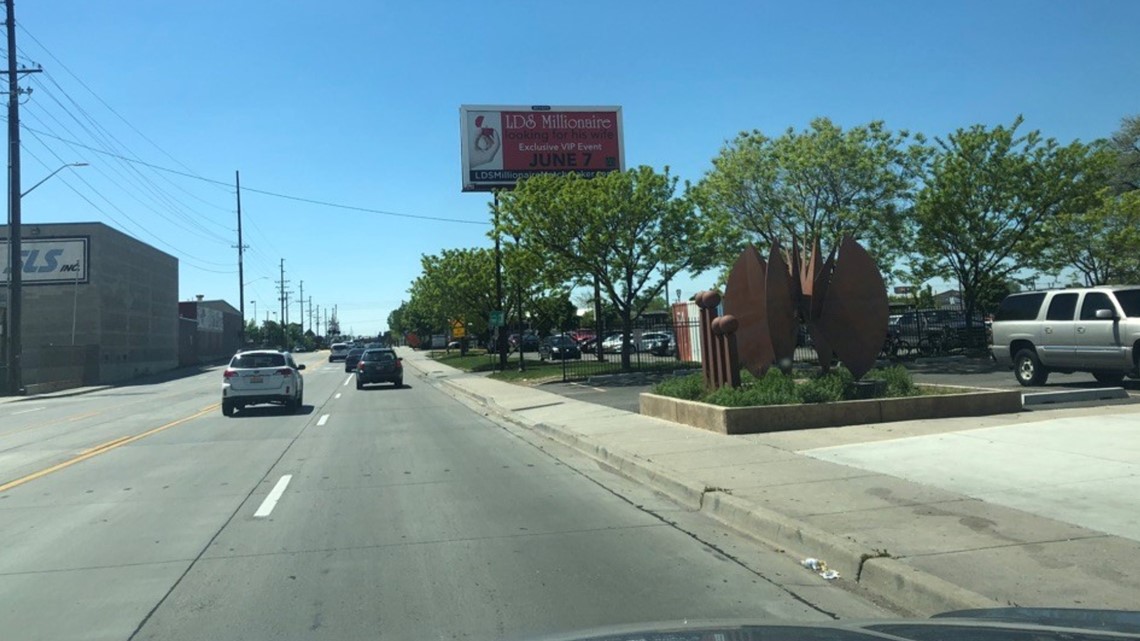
(931, 515)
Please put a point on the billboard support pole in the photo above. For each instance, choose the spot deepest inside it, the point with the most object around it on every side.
(500, 343)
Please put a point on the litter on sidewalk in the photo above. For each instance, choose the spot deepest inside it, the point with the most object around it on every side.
(820, 568)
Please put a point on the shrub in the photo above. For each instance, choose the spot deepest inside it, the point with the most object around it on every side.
(775, 388)
(689, 388)
(898, 379)
(835, 385)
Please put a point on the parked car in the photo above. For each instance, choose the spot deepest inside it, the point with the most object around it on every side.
(581, 336)
(559, 347)
(337, 351)
(1085, 329)
(612, 343)
(262, 376)
(657, 343)
(352, 358)
(379, 366)
(529, 342)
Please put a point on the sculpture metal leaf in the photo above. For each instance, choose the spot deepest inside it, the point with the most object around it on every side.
(744, 299)
(855, 308)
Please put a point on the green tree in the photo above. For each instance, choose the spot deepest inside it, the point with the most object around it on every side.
(458, 285)
(822, 183)
(553, 313)
(1126, 143)
(1101, 242)
(272, 335)
(987, 201)
(628, 230)
(253, 333)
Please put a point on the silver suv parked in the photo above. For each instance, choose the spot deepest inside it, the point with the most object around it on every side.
(1088, 329)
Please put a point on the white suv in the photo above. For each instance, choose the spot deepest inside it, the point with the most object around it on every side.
(262, 376)
(1085, 329)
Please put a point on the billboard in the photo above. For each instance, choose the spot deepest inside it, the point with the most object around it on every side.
(49, 260)
(500, 145)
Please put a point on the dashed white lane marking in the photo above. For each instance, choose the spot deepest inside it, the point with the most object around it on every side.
(337, 395)
(34, 409)
(270, 501)
(322, 420)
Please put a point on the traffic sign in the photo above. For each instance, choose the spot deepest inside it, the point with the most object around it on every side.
(496, 319)
(458, 330)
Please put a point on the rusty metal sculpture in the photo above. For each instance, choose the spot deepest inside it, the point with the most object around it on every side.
(720, 364)
(842, 301)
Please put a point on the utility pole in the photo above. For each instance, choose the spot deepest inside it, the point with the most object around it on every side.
(315, 332)
(301, 302)
(15, 248)
(281, 290)
(241, 267)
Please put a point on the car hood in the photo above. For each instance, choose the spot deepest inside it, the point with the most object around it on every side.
(997, 624)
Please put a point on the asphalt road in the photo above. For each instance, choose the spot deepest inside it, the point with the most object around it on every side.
(142, 512)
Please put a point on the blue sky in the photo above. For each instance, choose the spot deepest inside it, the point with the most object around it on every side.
(356, 102)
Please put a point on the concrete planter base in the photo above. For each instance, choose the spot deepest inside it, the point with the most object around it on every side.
(778, 418)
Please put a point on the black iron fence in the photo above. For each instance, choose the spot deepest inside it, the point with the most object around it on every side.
(658, 346)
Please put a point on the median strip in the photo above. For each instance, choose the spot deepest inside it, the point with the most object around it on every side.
(100, 449)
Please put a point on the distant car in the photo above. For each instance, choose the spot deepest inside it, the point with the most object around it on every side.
(580, 336)
(262, 376)
(613, 342)
(338, 351)
(379, 366)
(298, 349)
(529, 342)
(454, 345)
(352, 358)
(559, 347)
(657, 343)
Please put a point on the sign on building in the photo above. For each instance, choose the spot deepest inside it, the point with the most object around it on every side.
(49, 260)
(501, 145)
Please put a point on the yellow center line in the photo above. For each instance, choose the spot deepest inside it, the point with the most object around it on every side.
(101, 449)
(78, 417)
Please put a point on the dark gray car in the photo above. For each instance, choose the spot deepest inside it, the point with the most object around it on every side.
(379, 366)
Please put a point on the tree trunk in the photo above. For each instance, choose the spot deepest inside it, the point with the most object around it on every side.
(626, 328)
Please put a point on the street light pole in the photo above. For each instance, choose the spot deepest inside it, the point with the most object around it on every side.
(45, 179)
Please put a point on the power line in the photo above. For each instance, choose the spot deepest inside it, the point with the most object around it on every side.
(263, 192)
(132, 174)
(104, 102)
(202, 232)
(141, 229)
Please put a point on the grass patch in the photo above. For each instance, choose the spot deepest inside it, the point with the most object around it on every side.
(778, 388)
(475, 361)
(535, 372)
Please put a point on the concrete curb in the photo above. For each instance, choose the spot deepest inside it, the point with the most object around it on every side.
(898, 583)
(60, 394)
(1072, 396)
